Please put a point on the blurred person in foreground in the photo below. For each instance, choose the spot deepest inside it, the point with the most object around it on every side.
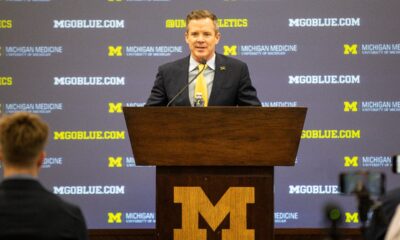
(27, 209)
(393, 232)
(383, 215)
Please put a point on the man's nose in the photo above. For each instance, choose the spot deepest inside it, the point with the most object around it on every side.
(200, 38)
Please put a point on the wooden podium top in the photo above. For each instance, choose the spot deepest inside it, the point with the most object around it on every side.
(214, 136)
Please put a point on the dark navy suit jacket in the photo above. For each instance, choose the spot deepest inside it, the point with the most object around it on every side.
(29, 211)
(231, 86)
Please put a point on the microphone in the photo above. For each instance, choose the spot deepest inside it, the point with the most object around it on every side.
(333, 216)
(202, 61)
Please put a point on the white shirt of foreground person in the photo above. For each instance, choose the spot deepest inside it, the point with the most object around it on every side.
(393, 232)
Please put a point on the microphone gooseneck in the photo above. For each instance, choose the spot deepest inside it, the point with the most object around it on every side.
(202, 61)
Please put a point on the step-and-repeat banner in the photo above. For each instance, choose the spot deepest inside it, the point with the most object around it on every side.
(76, 63)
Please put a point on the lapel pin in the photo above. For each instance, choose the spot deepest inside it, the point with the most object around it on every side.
(222, 68)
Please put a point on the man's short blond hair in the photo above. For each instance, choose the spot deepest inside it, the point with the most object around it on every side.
(202, 14)
(23, 137)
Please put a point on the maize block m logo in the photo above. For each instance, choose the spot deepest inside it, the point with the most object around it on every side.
(350, 49)
(351, 217)
(115, 107)
(350, 106)
(195, 202)
(115, 51)
(230, 50)
(115, 217)
(351, 161)
(114, 162)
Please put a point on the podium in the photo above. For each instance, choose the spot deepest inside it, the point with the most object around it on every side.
(214, 167)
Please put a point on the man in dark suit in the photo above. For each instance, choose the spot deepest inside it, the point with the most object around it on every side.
(27, 209)
(383, 215)
(227, 80)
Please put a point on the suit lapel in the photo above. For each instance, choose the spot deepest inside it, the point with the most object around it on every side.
(182, 80)
(219, 78)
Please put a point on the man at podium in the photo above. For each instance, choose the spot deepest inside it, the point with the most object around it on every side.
(204, 78)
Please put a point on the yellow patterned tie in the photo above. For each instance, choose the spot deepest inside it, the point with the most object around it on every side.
(200, 89)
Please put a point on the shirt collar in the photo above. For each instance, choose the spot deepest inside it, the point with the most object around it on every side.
(193, 63)
(21, 176)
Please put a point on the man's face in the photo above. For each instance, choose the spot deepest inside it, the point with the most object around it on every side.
(201, 38)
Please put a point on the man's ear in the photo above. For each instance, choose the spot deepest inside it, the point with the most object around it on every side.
(217, 37)
(186, 37)
(1, 155)
(41, 158)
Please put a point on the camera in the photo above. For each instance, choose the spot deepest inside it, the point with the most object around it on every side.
(396, 164)
(359, 182)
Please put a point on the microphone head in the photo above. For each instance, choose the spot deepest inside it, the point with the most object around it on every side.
(203, 61)
(332, 212)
